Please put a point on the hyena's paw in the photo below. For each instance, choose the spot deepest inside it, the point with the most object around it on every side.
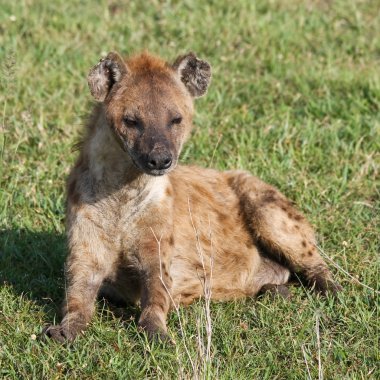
(154, 332)
(62, 334)
(327, 287)
(321, 280)
(276, 290)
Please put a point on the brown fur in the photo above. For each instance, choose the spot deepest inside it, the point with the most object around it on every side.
(142, 231)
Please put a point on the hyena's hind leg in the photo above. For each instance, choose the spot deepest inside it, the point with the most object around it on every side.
(280, 230)
(276, 290)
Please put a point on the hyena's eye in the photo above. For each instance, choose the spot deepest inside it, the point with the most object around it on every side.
(176, 120)
(129, 122)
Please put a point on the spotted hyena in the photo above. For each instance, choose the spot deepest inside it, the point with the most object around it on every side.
(143, 229)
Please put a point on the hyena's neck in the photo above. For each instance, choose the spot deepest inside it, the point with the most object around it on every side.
(111, 168)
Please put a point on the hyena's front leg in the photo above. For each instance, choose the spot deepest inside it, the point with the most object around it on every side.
(89, 263)
(154, 258)
(281, 230)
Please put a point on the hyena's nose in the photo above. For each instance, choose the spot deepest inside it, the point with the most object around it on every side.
(159, 160)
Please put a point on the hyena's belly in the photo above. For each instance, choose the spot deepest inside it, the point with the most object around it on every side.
(222, 275)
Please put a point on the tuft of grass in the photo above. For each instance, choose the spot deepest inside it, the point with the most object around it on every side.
(295, 99)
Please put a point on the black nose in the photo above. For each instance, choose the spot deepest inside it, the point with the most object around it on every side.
(159, 160)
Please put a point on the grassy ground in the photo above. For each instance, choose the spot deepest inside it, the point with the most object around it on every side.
(295, 99)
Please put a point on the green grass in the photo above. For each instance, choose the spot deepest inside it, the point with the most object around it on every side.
(295, 99)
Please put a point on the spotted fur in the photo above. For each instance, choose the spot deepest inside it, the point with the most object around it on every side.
(143, 229)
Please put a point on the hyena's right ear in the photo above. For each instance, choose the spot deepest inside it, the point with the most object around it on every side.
(105, 74)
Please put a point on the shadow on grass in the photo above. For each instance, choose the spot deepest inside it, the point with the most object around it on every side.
(32, 263)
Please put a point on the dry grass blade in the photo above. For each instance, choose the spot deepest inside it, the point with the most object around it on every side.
(320, 370)
(204, 351)
(307, 365)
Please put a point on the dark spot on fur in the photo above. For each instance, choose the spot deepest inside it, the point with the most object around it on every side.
(222, 217)
(187, 295)
(310, 253)
(303, 243)
(231, 181)
(269, 196)
(296, 226)
(169, 192)
(297, 217)
(171, 240)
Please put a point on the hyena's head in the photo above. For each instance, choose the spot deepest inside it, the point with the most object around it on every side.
(149, 104)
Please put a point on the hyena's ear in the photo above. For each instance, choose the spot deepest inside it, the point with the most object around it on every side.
(105, 74)
(194, 73)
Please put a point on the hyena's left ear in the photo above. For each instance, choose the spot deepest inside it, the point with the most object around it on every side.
(105, 74)
(194, 73)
